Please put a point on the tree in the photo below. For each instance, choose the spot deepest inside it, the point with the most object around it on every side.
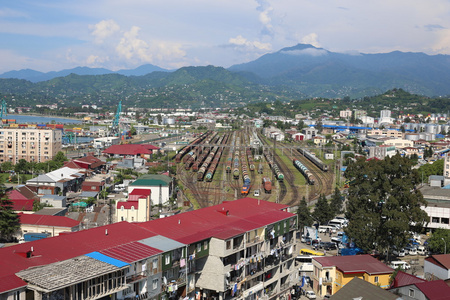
(322, 212)
(9, 220)
(7, 166)
(21, 166)
(435, 242)
(383, 203)
(336, 204)
(304, 215)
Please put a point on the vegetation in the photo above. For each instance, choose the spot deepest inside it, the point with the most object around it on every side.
(383, 203)
(436, 168)
(304, 215)
(322, 212)
(439, 241)
(9, 220)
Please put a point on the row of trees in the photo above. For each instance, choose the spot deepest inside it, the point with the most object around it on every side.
(26, 167)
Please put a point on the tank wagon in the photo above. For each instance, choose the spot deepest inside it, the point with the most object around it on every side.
(304, 170)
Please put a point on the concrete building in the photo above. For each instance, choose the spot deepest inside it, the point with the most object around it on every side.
(345, 113)
(31, 144)
(137, 208)
(437, 267)
(235, 250)
(52, 225)
(160, 185)
(447, 169)
(382, 151)
(393, 134)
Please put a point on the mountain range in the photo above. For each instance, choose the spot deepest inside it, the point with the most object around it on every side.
(303, 69)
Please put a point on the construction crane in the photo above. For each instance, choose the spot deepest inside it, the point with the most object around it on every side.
(115, 124)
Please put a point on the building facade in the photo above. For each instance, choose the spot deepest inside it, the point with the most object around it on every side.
(31, 144)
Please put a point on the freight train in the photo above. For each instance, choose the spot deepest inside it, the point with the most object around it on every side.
(267, 185)
(305, 171)
(275, 169)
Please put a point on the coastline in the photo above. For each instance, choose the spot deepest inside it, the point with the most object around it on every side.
(46, 116)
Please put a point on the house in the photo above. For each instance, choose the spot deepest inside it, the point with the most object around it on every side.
(241, 249)
(133, 150)
(22, 198)
(437, 266)
(429, 290)
(90, 163)
(52, 225)
(331, 273)
(309, 132)
(158, 184)
(137, 208)
(358, 288)
(319, 140)
(62, 180)
(54, 200)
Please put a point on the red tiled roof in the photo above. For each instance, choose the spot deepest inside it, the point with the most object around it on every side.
(434, 290)
(243, 215)
(56, 221)
(130, 149)
(128, 204)
(131, 252)
(355, 263)
(402, 279)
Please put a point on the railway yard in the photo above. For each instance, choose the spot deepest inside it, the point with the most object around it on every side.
(217, 167)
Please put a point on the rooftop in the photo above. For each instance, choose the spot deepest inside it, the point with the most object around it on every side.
(54, 221)
(355, 264)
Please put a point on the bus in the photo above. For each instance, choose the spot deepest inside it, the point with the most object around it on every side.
(305, 251)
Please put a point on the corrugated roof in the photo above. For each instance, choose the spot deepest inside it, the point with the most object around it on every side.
(355, 263)
(128, 149)
(403, 278)
(54, 221)
(131, 252)
(434, 290)
(442, 260)
(141, 192)
(162, 243)
(107, 259)
(149, 182)
(360, 289)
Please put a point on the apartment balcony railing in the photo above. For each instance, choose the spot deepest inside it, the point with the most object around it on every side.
(327, 280)
(136, 277)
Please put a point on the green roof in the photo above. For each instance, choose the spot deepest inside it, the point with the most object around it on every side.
(152, 180)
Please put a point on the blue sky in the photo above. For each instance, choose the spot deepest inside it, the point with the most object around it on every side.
(53, 35)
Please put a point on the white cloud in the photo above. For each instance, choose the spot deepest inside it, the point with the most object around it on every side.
(95, 60)
(243, 42)
(135, 49)
(311, 39)
(265, 16)
(104, 29)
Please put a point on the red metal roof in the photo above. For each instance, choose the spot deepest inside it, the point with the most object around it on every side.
(131, 252)
(56, 221)
(355, 264)
(141, 192)
(442, 260)
(128, 204)
(243, 215)
(434, 290)
(128, 149)
(16, 195)
(54, 249)
(402, 279)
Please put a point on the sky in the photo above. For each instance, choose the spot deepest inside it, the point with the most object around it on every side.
(52, 35)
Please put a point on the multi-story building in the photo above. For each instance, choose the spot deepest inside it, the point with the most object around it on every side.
(31, 144)
(243, 249)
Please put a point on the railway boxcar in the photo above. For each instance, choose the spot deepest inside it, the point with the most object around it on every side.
(267, 185)
(315, 160)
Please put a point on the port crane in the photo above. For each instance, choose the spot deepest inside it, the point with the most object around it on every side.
(115, 130)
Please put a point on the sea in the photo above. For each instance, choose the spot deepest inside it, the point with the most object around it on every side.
(26, 119)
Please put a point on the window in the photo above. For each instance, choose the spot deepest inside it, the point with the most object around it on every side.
(434, 220)
(444, 220)
(228, 245)
(155, 283)
(155, 263)
(205, 245)
(411, 293)
(167, 259)
(199, 247)
(376, 279)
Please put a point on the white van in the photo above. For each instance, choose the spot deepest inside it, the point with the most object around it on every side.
(325, 228)
(400, 264)
(422, 250)
(339, 222)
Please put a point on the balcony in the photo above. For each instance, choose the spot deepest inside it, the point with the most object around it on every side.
(286, 257)
(327, 280)
(136, 277)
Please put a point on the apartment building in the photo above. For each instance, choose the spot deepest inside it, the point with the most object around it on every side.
(31, 144)
(242, 249)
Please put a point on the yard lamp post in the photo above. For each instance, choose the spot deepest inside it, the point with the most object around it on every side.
(445, 246)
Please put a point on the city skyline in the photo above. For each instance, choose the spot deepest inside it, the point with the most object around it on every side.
(51, 36)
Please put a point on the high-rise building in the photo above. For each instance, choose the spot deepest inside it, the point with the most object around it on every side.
(31, 144)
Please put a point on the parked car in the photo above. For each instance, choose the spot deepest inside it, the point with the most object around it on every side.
(399, 253)
(308, 240)
(329, 246)
(422, 250)
(411, 250)
(310, 295)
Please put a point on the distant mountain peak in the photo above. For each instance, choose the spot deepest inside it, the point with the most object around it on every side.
(304, 49)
